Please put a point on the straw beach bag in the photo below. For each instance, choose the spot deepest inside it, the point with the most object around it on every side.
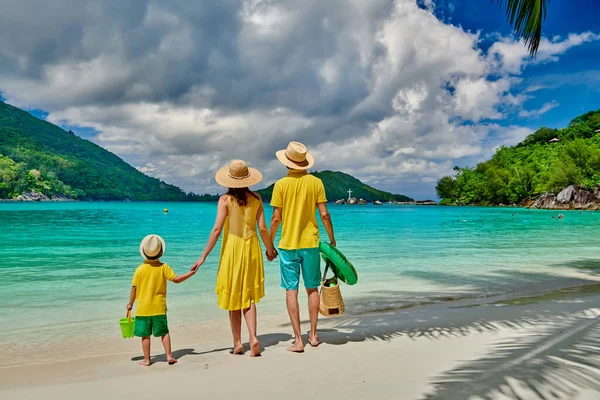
(331, 303)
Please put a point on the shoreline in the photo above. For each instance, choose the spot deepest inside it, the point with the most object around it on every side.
(484, 347)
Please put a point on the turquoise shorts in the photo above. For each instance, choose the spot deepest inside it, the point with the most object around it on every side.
(308, 261)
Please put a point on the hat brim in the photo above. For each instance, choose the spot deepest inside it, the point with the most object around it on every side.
(222, 177)
(308, 163)
(163, 247)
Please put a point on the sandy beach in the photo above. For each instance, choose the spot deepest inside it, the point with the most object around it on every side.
(538, 347)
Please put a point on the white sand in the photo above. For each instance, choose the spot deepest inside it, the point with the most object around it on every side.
(548, 349)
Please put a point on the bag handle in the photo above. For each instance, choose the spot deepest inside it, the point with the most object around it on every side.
(327, 263)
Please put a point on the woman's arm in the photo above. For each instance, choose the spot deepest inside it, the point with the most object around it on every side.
(215, 233)
(264, 233)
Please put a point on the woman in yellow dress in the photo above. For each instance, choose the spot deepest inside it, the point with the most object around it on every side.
(240, 280)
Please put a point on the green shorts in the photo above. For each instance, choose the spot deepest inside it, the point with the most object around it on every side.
(144, 326)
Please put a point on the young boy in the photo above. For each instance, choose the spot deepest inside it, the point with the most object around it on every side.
(150, 290)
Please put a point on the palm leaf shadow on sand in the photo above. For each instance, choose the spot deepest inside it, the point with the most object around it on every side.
(559, 355)
(554, 364)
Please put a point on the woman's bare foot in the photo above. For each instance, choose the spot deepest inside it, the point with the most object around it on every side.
(296, 347)
(237, 349)
(314, 342)
(171, 360)
(144, 363)
(255, 349)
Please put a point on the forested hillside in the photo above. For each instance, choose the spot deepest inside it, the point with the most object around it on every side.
(337, 185)
(546, 161)
(37, 155)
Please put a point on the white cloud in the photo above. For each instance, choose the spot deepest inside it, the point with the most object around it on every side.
(383, 90)
(536, 113)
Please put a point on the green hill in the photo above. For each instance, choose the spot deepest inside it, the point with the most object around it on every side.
(337, 185)
(538, 164)
(36, 155)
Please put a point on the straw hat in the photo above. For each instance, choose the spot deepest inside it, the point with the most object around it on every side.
(296, 156)
(152, 247)
(238, 175)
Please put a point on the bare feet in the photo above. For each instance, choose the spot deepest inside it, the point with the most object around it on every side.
(237, 349)
(314, 342)
(171, 360)
(296, 347)
(144, 363)
(255, 349)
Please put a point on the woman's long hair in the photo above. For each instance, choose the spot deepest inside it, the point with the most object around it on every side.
(241, 195)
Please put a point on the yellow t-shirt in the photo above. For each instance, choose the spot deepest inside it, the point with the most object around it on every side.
(150, 279)
(298, 194)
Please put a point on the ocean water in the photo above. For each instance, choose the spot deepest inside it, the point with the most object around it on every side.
(66, 268)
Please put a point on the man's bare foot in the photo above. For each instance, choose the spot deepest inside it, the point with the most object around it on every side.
(314, 342)
(255, 349)
(171, 360)
(237, 350)
(144, 363)
(296, 347)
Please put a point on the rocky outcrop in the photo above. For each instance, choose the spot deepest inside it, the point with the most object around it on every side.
(572, 197)
(32, 195)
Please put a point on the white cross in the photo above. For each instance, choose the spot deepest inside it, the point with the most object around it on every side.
(349, 194)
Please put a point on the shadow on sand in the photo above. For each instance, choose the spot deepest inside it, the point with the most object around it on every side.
(266, 340)
(558, 356)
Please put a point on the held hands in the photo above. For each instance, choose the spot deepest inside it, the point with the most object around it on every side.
(197, 264)
(271, 255)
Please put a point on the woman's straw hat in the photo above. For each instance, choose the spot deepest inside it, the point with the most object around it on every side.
(152, 247)
(238, 175)
(296, 156)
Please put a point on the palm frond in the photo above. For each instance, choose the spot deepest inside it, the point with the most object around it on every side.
(526, 17)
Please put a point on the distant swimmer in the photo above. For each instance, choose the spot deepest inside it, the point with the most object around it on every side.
(553, 217)
(560, 216)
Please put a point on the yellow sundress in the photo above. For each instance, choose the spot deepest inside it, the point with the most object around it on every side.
(241, 276)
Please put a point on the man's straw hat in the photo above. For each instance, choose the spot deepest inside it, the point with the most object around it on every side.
(238, 175)
(152, 247)
(296, 156)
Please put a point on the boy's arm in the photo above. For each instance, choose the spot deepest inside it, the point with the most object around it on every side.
(131, 298)
(326, 219)
(184, 277)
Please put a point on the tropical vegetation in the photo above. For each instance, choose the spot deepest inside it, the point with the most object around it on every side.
(546, 161)
(527, 17)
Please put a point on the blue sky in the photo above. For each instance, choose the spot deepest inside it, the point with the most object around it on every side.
(391, 92)
(563, 18)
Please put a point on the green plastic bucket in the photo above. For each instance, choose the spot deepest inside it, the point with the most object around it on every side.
(127, 325)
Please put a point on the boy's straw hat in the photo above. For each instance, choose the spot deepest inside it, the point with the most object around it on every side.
(238, 175)
(295, 156)
(152, 247)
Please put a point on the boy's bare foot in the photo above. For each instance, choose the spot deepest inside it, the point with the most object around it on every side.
(171, 360)
(144, 363)
(314, 342)
(296, 347)
(237, 349)
(255, 349)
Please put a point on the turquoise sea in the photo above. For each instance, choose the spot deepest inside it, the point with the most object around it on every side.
(67, 267)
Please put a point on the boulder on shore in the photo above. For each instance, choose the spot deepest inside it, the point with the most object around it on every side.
(572, 197)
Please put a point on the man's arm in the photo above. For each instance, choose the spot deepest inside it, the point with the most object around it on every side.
(131, 297)
(275, 222)
(326, 219)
